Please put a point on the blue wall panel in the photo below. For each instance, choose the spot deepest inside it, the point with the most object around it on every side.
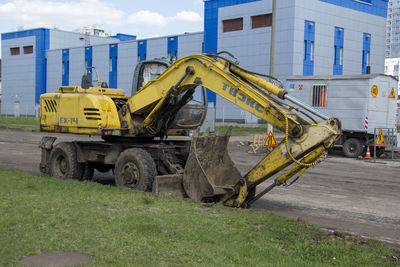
(89, 60)
(211, 21)
(113, 74)
(211, 29)
(65, 66)
(142, 49)
(309, 38)
(172, 46)
(374, 7)
(41, 45)
(338, 45)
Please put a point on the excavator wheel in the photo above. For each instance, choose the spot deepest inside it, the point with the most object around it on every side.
(63, 162)
(135, 168)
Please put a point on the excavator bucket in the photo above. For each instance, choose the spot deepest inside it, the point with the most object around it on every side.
(209, 173)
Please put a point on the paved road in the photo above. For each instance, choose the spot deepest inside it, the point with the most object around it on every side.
(351, 195)
(344, 194)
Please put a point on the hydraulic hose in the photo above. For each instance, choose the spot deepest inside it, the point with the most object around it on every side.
(287, 146)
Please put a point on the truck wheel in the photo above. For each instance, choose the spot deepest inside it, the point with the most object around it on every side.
(352, 148)
(63, 162)
(135, 168)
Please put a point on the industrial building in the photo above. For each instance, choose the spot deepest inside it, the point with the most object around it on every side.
(313, 37)
(393, 29)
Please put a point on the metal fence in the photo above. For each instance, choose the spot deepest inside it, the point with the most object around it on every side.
(385, 137)
(18, 110)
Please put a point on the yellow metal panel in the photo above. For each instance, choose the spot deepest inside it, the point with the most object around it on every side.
(78, 113)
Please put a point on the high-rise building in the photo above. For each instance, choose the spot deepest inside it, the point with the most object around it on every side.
(393, 29)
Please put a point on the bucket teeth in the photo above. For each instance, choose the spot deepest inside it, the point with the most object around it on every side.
(228, 133)
(218, 137)
(197, 132)
(207, 132)
(218, 131)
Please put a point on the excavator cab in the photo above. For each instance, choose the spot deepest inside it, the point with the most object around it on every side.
(191, 115)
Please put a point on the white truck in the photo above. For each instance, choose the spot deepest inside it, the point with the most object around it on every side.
(361, 102)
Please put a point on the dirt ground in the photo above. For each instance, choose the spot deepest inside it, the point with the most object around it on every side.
(343, 194)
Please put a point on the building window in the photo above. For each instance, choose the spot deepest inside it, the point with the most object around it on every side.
(14, 51)
(309, 46)
(231, 25)
(319, 95)
(312, 51)
(341, 56)
(396, 67)
(338, 51)
(28, 49)
(365, 67)
(261, 21)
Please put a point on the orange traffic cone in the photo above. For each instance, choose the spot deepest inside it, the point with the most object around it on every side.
(368, 155)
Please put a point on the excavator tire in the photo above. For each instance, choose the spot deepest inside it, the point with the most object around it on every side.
(135, 168)
(63, 162)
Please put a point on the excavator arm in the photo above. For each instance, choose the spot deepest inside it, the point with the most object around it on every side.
(209, 172)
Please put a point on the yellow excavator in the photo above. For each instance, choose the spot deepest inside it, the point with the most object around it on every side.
(138, 131)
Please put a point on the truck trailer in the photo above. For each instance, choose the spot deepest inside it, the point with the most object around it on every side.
(361, 102)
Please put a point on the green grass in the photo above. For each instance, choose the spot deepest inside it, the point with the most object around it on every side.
(29, 124)
(121, 227)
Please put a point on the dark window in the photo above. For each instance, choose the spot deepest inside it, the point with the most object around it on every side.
(261, 21)
(28, 49)
(231, 25)
(14, 51)
(319, 95)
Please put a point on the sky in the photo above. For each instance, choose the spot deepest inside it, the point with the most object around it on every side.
(149, 18)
